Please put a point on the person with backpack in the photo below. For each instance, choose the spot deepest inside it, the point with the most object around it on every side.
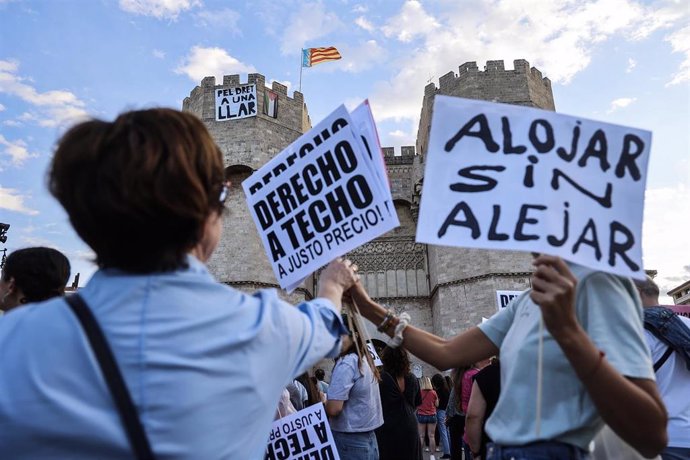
(668, 336)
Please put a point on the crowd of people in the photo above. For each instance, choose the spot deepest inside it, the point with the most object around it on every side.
(155, 359)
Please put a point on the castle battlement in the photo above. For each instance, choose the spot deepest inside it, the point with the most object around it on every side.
(209, 83)
(493, 70)
(405, 151)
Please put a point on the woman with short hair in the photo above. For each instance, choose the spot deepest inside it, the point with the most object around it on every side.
(204, 364)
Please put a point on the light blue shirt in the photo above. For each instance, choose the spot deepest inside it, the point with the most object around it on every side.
(205, 365)
(362, 409)
(609, 310)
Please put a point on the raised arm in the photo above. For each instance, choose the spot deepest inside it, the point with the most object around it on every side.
(336, 278)
(461, 350)
(632, 407)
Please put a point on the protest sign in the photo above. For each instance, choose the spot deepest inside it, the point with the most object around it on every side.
(318, 199)
(374, 355)
(303, 435)
(503, 298)
(235, 102)
(501, 176)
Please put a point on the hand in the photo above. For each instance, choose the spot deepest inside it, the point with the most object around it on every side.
(553, 289)
(339, 276)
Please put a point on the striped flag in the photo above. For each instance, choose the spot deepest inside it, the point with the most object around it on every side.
(313, 56)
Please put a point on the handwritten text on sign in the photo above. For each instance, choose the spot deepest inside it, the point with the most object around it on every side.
(302, 435)
(508, 177)
(317, 200)
(235, 102)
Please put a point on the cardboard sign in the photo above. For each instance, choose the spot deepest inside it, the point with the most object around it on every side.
(321, 197)
(374, 356)
(235, 102)
(501, 176)
(303, 435)
(503, 298)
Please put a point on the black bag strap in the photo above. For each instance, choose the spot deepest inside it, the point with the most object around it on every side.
(667, 354)
(111, 372)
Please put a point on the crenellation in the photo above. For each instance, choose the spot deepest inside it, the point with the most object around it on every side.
(388, 151)
(279, 87)
(468, 67)
(536, 73)
(407, 150)
(447, 81)
(494, 66)
(231, 80)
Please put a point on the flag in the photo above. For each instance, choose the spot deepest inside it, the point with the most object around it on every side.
(313, 56)
(271, 103)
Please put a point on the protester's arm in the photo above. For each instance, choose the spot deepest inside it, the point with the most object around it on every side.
(342, 381)
(461, 350)
(632, 407)
(476, 410)
(334, 408)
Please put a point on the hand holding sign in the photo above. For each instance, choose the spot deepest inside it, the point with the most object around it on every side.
(339, 276)
(553, 289)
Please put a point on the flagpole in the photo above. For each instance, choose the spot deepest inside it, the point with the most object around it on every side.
(301, 54)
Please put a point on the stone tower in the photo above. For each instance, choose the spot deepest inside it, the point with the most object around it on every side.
(463, 282)
(445, 290)
(247, 144)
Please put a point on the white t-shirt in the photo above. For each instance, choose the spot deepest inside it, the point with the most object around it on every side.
(673, 380)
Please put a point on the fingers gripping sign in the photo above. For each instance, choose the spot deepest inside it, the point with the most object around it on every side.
(553, 289)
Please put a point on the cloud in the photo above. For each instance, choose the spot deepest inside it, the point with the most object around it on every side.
(357, 58)
(12, 200)
(309, 23)
(559, 38)
(55, 108)
(680, 43)
(364, 24)
(360, 8)
(159, 9)
(411, 21)
(16, 150)
(664, 245)
(632, 63)
(2, 107)
(203, 62)
(158, 54)
(620, 103)
(12, 123)
(225, 19)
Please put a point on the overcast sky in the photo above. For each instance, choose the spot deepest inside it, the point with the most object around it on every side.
(620, 61)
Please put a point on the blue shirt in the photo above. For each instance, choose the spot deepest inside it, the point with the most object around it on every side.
(205, 365)
(608, 308)
(360, 392)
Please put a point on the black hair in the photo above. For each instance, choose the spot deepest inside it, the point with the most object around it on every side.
(41, 273)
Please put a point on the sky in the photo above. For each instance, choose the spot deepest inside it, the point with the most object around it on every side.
(619, 61)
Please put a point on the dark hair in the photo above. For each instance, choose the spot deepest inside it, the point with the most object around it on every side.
(458, 374)
(647, 287)
(41, 273)
(395, 361)
(320, 374)
(439, 383)
(139, 190)
(312, 392)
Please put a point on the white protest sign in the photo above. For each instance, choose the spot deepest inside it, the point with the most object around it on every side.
(374, 356)
(304, 434)
(318, 199)
(501, 176)
(503, 298)
(235, 102)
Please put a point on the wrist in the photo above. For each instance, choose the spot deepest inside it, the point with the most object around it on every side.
(331, 291)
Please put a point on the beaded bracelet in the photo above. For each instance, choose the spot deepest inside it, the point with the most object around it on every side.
(386, 321)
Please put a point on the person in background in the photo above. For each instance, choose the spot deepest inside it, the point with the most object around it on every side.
(313, 396)
(33, 275)
(398, 436)
(668, 337)
(596, 366)
(298, 394)
(467, 382)
(147, 193)
(441, 388)
(353, 400)
(485, 392)
(285, 407)
(426, 414)
(455, 417)
(320, 375)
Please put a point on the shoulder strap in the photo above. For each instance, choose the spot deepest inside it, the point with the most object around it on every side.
(111, 372)
(667, 354)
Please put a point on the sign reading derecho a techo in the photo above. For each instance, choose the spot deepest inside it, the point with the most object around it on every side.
(235, 102)
(507, 177)
(320, 197)
(303, 435)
